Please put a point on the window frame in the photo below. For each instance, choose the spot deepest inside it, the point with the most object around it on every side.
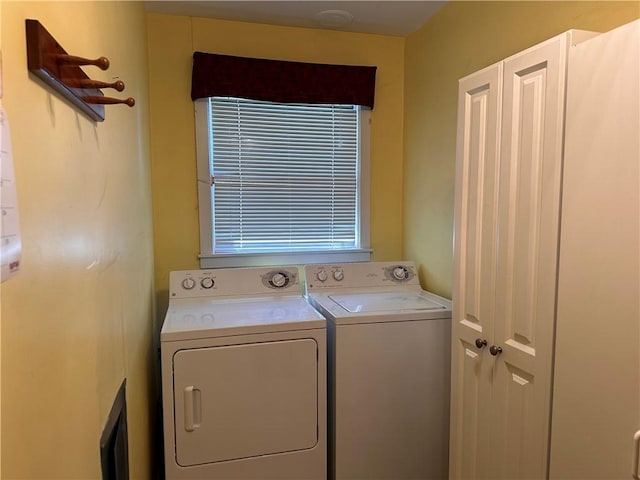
(210, 259)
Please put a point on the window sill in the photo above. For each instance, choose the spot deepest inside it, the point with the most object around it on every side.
(284, 258)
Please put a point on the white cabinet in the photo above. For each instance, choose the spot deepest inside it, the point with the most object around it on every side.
(507, 213)
(596, 395)
(546, 316)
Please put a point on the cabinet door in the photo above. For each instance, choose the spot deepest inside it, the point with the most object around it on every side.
(528, 224)
(475, 235)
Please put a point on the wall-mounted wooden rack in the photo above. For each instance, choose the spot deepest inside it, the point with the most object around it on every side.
(50, 62)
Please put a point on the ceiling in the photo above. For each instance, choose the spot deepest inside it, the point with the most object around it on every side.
(399, 18)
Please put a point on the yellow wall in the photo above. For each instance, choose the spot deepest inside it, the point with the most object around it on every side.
(172, 40)
(0, 284)
(460, 39)
(77, 319)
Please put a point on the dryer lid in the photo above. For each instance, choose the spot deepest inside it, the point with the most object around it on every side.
(385, 301)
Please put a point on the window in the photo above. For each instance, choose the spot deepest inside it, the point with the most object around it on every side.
(281, 183)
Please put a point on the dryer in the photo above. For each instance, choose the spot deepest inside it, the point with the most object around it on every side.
(389, 366)
(243, 377)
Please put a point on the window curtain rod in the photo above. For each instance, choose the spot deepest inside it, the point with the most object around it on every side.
(281, 81)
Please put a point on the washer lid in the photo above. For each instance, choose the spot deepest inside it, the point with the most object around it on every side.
(385, 302)
(206, 318)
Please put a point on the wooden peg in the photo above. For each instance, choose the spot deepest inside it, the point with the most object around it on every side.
(89, 83)
(109, 100)
(102, 62)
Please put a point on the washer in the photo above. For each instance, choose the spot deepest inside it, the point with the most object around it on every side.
(389, 366)
(243, 377)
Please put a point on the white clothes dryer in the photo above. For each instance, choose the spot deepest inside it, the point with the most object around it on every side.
(243, 377)
(389, 371)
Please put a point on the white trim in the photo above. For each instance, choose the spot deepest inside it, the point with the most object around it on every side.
(205, 200)
(364, 179)
(283, 258)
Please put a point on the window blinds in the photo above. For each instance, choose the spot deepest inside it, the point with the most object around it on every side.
(285, 176)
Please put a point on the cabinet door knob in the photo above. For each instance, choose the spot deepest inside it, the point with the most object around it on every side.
(481, 342)
(495, 351)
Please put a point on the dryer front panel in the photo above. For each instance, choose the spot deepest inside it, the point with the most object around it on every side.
(241, 401)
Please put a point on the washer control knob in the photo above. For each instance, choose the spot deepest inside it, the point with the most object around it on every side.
(188, 283)
(278, 280)
(400, 273)
(338, 275)
(207, 282)
(322, 275)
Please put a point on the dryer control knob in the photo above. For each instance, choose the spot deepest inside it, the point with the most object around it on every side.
(322, 276)
(278, 280)
(338, 275)
(207, 282)
(400, 273)
(188, 283)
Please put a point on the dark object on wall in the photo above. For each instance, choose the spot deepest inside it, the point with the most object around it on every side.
(50, 62)
(114, 444)
(281, 81)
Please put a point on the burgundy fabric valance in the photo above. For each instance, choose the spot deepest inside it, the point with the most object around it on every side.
(281, 81)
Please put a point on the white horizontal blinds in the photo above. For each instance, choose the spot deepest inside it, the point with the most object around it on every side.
(285, 176)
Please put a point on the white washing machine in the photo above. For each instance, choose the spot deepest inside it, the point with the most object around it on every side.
(243, 377)
(389, 366)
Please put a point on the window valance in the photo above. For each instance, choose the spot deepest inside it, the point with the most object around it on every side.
(281, 81)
